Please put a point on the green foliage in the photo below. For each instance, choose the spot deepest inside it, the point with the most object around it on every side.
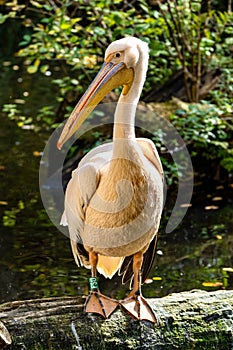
(207, 131)
(75, 35)
(9, 217)
(71, 36)
(14, 113)
(45, 115)
(223, 96)
(227, 162)
(200, 38)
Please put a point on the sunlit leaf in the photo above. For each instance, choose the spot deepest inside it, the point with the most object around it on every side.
(37, 154)
(21, 205)
(2, 18)
(219, 237)
(216, 199)
(212, 284)
(19, 101)
(74, 81)
(32, 69)
(44, 68)
(9, 219)
(157, 278)
(211, 207)
(228, 269)
(65, 26)
(36, 4)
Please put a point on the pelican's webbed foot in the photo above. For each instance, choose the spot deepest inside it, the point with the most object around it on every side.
(138, 308)
(99, 303)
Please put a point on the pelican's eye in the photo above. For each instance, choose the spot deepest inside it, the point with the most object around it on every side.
(118, 55)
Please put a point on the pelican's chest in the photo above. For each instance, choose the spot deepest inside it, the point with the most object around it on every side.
(125, 189)
(127, 203)
(121, 179)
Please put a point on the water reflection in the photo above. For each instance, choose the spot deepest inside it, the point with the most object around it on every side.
(36, 259)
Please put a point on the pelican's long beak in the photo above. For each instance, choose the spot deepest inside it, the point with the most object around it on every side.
(109, 77)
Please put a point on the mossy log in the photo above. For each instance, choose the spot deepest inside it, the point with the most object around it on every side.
(187, 320)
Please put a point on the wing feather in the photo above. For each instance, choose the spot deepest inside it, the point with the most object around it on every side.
(79, 191)
(150, 152)
(126, 269)
(148, 259)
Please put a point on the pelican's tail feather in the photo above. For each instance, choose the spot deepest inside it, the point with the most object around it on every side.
(108, 265)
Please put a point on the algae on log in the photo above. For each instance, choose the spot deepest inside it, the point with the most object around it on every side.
(187, 320)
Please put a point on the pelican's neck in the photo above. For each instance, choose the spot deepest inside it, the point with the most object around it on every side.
(124, 119)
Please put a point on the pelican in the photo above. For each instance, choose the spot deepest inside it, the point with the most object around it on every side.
(114, 200)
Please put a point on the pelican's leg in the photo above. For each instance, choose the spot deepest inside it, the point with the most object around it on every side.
(135, 304)
(97, 302)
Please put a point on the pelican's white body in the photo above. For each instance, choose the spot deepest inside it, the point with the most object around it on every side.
(114, 201)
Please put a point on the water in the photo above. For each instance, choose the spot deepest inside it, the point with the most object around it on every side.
(36, 259)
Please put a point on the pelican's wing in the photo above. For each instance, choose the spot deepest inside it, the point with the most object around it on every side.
(148, 258)
(126, 269)
(80, 189)
(150, 152)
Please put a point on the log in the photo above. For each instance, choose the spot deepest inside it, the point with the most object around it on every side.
(187, 320)
(175, 87)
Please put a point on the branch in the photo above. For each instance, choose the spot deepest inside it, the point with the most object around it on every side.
(180, 51)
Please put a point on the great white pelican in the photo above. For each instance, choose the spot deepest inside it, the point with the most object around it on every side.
(114, 200)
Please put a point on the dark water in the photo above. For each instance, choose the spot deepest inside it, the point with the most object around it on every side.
(36, 259)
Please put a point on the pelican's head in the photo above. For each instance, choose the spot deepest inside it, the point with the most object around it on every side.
(126, 50)
(121, 61)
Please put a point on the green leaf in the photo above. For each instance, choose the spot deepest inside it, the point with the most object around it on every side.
(74, 81)
(32, 69)
(227, 163)
(195, 5)
(44, 68)
(36, 4)
(21, 205)
(65, 26)
(48, 7)
(2, 18)
(99, 31)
